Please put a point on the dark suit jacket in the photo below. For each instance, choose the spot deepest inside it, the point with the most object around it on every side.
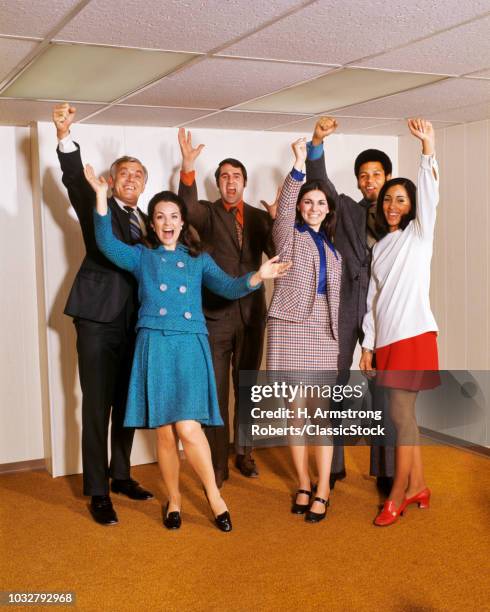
(101, 289)
(217, 230)
(350, 239)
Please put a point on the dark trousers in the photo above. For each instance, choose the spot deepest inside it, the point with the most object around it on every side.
(239, 346)
(105, 352)
(382, 458)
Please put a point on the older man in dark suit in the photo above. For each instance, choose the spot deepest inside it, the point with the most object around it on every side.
(355, 237)
(236, 235)
(103, 303)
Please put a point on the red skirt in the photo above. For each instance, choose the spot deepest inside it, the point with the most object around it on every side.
(409, 364)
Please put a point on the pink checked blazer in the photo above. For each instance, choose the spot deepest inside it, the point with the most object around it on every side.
(294, 294)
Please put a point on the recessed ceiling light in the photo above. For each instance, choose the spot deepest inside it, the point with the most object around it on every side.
(92, 73)
(339, 89)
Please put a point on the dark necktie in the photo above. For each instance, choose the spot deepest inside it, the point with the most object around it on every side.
(238, 227)
(134, 226)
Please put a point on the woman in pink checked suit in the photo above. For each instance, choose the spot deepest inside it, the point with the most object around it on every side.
(302, 331)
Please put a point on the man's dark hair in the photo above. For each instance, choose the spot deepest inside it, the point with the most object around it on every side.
(382, 227)
(233, 162)
(373, 155)
(188, 236)
(329, 223)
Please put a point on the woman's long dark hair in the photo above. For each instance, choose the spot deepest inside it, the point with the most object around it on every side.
(330, 221)
(188, 235)
(382, 227)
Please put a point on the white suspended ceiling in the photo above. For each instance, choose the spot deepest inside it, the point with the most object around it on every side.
(247, 64)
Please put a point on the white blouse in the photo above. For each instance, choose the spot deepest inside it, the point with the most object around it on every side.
(398, 304)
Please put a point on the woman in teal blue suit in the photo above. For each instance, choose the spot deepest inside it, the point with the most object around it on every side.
(172, 386)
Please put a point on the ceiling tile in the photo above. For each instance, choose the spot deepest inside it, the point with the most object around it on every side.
(23, 112)
(337, 89)
(149, 116)
(399, 128)
(352, 30)
(219, 82)
(28, 18)
(347, 125)
(174, 25)
(233, 120)
(91, 73)
(12, 52)
(425, 101)
(458, 51)
(475, 112)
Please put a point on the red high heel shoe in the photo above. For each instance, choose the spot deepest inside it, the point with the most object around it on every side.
(422, 499)
(388, 515)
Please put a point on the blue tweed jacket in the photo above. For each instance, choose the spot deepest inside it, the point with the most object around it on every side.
(169, 282)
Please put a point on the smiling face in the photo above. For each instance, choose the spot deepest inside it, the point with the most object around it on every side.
(128, 182)
(370, 179)
(167, 224)
(396, 204)
(231, 184)
(313, 208)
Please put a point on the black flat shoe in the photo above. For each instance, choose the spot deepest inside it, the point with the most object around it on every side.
(102, 510)
(131, 489)
(223, 521)
(172, 520)
(316, 517)
(300, 508)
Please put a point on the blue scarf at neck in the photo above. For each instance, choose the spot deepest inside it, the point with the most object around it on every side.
(319, 238)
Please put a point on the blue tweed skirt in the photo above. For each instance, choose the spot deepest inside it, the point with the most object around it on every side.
(172, 380)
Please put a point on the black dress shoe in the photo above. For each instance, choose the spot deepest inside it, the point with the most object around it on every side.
(102, 510)
(334, 476)
(172, 520)
(316, 517)
(384, 484)
(223, 521)
(130, 488)
(246, 465)
(300, 508)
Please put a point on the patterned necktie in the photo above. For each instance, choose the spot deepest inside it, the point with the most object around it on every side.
(238, 226)
(134, 226)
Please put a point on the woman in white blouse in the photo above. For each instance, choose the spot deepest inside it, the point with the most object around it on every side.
(399, 325)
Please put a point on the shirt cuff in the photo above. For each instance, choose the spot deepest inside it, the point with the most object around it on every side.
(314, 151)
(188, 177)
(66, 145)
(296, 175)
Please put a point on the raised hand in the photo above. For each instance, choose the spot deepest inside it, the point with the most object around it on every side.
(189, 153)
(99, 185)
(63, 117)
(323, 128)
(299, 150)
(272, 268)
(423, 130)
(272, 208)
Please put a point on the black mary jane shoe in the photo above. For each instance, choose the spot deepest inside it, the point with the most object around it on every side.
(316, 517)
(300, 508)
(172, 520)
(223, 521)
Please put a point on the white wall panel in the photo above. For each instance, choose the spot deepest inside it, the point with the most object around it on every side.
(21, 434)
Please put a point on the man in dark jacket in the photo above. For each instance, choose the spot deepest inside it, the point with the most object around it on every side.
(103, 304)
(236, 235)
(355, 237)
